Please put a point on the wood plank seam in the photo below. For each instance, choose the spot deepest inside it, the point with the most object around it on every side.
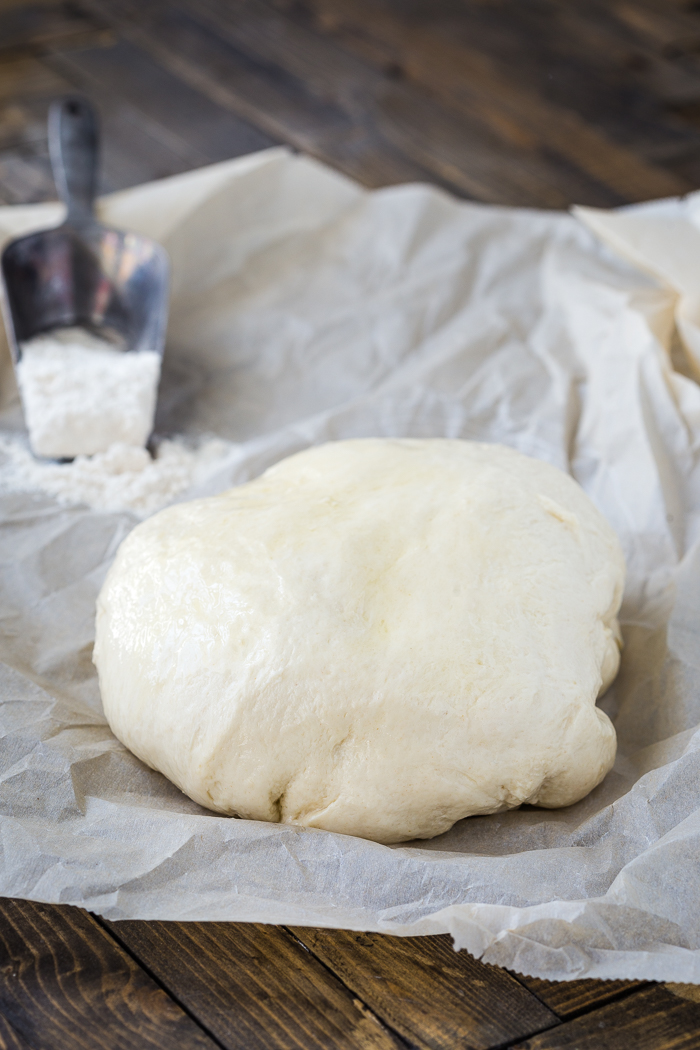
(416, 1036)
(392, 138)
(154, 977)
(624, 993)
(66, 984)
(652, 1019)
(197, 79)
(469, 80)
(254, 987)
(359, 1002)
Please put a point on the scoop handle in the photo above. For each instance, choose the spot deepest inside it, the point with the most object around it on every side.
(74, 148)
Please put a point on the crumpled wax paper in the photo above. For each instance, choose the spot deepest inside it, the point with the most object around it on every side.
(306, 309)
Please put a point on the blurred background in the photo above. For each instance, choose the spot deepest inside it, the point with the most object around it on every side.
(539, 103)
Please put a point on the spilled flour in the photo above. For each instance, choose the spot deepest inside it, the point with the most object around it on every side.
(84, 398)
(122, 478)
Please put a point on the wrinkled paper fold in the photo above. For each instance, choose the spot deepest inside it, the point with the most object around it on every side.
(306, 309)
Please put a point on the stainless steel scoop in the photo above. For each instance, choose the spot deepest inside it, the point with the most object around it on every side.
(82, 273)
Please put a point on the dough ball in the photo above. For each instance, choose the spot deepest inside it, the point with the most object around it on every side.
(376, 637)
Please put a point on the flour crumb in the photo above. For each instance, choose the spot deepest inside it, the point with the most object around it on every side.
(82, 395)
(124, 477)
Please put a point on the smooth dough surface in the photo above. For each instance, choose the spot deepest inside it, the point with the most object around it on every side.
(376, 637)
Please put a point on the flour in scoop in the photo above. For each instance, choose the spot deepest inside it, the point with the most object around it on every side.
(81, 395)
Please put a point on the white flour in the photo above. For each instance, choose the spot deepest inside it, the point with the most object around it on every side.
(81, 395)
(122, 478)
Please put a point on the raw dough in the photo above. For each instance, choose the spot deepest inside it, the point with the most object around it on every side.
(376, 637)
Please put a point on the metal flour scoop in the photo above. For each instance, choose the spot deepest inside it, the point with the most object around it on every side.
(83, 274)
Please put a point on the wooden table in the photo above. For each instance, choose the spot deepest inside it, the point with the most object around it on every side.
(518, 102)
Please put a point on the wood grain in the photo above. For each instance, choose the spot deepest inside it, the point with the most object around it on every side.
(685, 991)
(509, 102)
(434, 997)
(260, 63)
(580, 57)
(570, 998)
(254, 986)
(26, 87)
(466, 78)
(462, 147)
(66, 985)
(9, 1038)
(413, 95)
(152, 124)
(37, 27)
(190, 123)
(236, 65)
(651, 1019)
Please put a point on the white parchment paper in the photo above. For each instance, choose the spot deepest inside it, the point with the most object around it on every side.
(304, 310)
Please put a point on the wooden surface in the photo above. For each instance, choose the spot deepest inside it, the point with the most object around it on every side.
(70, 980)
(526, 102)
(521, 102)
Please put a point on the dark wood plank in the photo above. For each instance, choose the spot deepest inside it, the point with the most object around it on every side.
(9, 1038)
(66, 985)
(580, 57)
(25, 177)
(466, 79)
(434, 997)
(651, 1019)
(26, 87)
(153, 125)
(664, 26)
(567, 999)
(574, 56)
(261, 61)
(459, 147)
(39, 26)
(135, 149)
(196, 123)
(691, 992)
(132, 150)
(290, 108)
(254, 986)
(399, 100)
(26, 84)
